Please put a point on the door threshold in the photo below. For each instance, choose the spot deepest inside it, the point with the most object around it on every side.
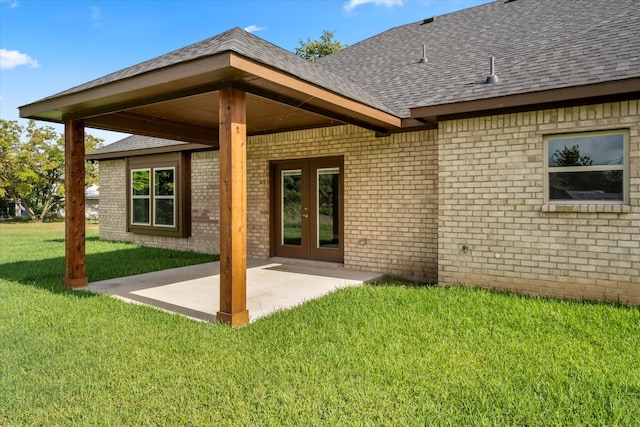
(307, 262)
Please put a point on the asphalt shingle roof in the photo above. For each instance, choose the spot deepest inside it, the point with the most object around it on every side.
(137, 142)
(245, 44)
(537, 45)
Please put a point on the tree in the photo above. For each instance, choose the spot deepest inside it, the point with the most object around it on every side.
(314, 49)
(91, 143)
(562, 182)
(32, 166)
(569, 156)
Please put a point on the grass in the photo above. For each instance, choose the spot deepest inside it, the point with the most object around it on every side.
(33, 253)
(385, 354)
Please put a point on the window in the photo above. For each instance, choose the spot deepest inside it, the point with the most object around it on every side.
(589, 167)
(140, 196)
(157, 208)
(164, 196)
(158, 195)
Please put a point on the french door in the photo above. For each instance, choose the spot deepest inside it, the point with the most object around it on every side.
(307, 209)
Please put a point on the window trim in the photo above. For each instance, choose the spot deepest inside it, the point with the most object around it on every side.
(139, 197)
(180, 163)
(157, 197)
(624, 167)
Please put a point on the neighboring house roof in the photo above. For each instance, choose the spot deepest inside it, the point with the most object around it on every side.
(92, 192)
(537, 44)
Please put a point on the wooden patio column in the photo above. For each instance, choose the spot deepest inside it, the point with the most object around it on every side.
(75, 268)
(233, 208)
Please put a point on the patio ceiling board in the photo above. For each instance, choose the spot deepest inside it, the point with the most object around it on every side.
(155, 127)
(263, 114)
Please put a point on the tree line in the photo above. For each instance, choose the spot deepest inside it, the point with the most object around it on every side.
(32, 167)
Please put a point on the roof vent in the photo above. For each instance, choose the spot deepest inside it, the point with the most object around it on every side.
(428, 20)
(423, 60)
(493, 78)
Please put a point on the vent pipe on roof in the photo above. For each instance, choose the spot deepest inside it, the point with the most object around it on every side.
(423, 60)
(493, 78)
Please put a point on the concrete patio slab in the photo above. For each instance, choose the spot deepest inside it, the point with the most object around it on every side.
(272, 285)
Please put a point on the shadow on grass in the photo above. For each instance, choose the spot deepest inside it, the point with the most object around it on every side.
(391, 280)
(43, 274)
(87, 239)
(48, 274)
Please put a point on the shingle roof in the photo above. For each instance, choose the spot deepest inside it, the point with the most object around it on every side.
(246, 44)
(537, 45)
(136, 142)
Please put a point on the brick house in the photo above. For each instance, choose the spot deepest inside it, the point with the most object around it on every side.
(497, 146)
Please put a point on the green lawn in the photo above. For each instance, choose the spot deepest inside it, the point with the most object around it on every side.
(383, 354)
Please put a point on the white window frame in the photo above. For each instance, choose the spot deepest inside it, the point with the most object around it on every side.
(152, 197)
(624, 167)
(141, 197)
(157, 197)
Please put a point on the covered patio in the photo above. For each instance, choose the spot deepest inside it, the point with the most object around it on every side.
(272, 285)
(213, 93)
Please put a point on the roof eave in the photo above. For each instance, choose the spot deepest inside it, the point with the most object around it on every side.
(153, 86)
(529, 100)
(208, 74)
(147, 151)
(315, 95)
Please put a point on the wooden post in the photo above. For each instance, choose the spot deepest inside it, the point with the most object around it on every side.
(233, 208)
(75, 268)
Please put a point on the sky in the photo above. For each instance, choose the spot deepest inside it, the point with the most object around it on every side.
(47, 46)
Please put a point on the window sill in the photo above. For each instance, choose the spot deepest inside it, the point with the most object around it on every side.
(585, 208)
(157, 231)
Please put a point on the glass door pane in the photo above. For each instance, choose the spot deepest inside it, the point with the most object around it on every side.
(328, 208)
(291, 205)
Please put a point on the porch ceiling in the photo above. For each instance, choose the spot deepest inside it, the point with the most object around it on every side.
(181, 102)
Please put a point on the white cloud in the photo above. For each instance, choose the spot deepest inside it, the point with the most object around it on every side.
(12, 3)
(13, 58)
(96, 16)
(253, 28)
(96, 12)
(352, 4)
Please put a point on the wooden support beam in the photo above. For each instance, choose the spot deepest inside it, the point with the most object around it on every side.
(233, 208)
(156, 127)
(75, 267)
